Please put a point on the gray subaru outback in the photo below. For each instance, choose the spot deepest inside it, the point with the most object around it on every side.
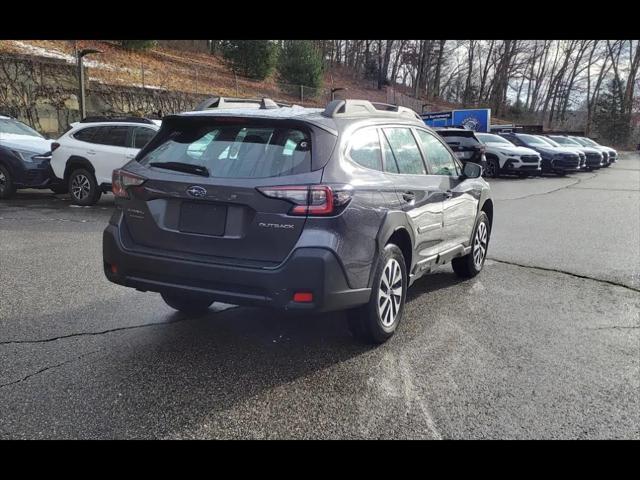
(302, 209)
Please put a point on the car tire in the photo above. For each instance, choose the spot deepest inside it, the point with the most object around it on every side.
(493, 168)
(471, 264)
(376, 321)
(7, 187)
(83, 188)
(59, 188)
(190, 304)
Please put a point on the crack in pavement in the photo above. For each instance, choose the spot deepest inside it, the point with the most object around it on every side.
(578, 180)
(614, 327)
(46, 219)
(48, 367)
(565, 272)
(84, 334)
(117, 329)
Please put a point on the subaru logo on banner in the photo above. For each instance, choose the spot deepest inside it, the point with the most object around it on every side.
(478, 120)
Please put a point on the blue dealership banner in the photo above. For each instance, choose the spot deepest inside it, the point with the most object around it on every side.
(478, 120)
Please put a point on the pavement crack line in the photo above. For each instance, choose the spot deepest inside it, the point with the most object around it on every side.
(565, 272)
(48, 367)
(88, 334)
(103, 332)
(615, 327)
(578, 180)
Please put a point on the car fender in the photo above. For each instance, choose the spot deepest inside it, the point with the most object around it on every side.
(393, 221)
(76, 161)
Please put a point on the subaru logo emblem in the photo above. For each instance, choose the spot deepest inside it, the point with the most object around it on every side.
(196, 191)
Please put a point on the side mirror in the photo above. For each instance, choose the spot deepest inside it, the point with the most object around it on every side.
(471, 170)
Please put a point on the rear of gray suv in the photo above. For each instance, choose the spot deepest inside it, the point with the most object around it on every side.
(296, 208)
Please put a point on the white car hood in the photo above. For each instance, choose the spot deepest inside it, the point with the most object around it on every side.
(511, 150)
(25, 142)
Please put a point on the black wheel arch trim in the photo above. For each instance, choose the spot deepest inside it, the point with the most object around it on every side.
(392, 223)
(74, 162)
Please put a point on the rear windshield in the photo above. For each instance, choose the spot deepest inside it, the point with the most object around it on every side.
(457, 137)
(237, 151)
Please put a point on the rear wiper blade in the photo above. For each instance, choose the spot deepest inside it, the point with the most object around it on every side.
(182, 167)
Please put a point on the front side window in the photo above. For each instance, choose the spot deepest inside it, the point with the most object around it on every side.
(236, 151)
(439, 159)
(142, 136)
(405, 151)
(365, 149)
(114, 136)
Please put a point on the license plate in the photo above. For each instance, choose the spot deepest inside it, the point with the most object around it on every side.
(203, 218)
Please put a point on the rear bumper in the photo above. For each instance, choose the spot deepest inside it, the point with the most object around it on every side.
(314, 270)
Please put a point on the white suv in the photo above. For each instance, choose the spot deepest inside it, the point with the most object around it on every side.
(85, 157)
(505, 157)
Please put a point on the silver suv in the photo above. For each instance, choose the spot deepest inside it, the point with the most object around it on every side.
(303, 209)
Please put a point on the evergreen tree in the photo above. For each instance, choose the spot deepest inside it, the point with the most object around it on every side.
(301, 63)
(250, 58)
(611, 122)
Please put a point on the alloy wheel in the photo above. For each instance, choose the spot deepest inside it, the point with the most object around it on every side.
(80, 187)
(480, 245)
(390, 293)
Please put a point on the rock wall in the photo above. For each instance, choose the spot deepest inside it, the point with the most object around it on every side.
(43, 93)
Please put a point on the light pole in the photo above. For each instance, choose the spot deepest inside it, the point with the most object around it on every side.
(81, 103)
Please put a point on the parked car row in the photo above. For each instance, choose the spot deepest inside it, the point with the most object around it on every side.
(526, 154)
(82, 160)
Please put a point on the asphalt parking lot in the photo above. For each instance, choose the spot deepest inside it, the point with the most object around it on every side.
(543, 344)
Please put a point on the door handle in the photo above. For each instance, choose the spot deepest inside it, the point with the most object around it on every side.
(408, 196)
(448, 194)
(91, 152)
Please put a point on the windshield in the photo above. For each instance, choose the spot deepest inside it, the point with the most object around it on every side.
(550, 142)
(491, 138)
(14, 127)
(589, 143)
(236, 151)
(532, 140)
(566, 141)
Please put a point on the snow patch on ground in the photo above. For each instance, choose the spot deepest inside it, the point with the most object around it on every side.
(52, 53)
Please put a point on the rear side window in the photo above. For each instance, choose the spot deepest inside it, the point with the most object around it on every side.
(86, 134)
(236, 151)
(365, 148)
(405, 151)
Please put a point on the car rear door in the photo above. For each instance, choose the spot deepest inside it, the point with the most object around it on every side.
(460, 197)
(420, 194)
(110, 151)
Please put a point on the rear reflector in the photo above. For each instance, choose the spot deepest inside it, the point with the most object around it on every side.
(303, 297)
(114, 269)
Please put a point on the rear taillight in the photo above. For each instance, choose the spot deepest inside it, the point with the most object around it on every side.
(310, 199)
(54, 145)
(121, 180)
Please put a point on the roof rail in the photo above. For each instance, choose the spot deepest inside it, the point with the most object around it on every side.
(352, 107)
(99, 118)
(231, 102)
